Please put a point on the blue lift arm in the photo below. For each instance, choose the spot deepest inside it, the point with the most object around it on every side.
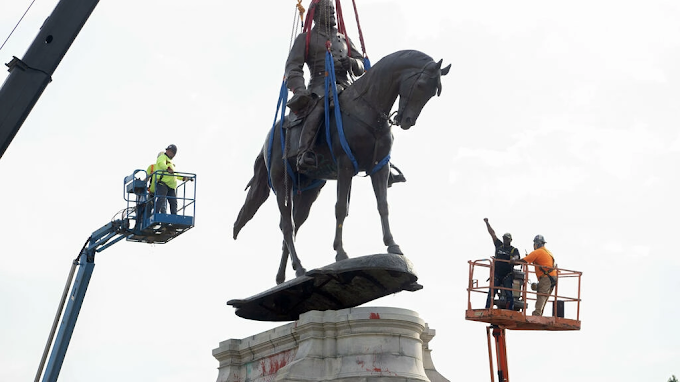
(151, 226)
(101, 239)
(30, 76)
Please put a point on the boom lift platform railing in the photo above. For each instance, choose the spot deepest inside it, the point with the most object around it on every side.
(565, 300)
(145, 209)
(150, 226)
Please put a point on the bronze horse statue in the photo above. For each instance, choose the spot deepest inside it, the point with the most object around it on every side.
(366, 130)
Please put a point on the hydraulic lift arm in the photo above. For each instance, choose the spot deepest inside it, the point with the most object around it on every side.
(149, 227)
(101, 239)
(498, 334)
(30, 76)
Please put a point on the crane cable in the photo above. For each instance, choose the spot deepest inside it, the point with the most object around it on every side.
(296, 27)
(18, 22)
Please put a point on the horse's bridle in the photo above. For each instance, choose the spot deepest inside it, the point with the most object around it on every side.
(410, 90)
(383, 116)
(388, 117)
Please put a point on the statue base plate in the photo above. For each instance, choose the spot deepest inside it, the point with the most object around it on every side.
(341, 285)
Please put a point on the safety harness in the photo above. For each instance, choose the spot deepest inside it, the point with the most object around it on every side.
(547, 272)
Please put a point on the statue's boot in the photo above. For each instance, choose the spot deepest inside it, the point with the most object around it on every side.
(306, 159)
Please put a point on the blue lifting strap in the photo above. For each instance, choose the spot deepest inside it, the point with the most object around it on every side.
(281, 104)
(367, 64)
(380, 164)
(330, 82)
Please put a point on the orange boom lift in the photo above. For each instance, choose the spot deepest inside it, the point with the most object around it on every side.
(566, 294)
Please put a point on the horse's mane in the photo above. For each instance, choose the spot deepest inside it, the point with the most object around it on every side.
(404, 55)
(413, 58)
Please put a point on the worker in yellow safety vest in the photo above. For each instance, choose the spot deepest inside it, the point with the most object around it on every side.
(149, 176)
(166, 181)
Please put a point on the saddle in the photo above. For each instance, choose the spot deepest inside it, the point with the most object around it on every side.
(292, 126)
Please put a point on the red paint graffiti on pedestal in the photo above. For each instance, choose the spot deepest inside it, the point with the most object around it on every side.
(270, 366)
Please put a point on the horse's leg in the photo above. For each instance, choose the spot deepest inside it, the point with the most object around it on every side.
(302, 203)
(281, 274)
(345, 175)
(286, 226)
(379, 180)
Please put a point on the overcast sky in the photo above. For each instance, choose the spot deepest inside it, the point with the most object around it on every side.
(557, 118)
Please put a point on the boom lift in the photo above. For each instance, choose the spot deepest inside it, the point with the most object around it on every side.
(501, 319)
(19, 93)
(151, 225)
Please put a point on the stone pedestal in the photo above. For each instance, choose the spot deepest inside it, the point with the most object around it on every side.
(358, 344)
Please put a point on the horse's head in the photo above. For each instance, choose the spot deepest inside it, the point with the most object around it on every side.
(416, 89)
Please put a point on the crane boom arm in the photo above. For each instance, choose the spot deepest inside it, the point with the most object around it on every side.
(30, 76)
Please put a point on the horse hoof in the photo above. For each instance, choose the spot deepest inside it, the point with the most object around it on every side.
(280, 279)
(341, 256)
(300, 272)
(394, 249)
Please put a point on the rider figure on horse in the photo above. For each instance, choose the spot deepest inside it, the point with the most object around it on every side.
(308, 100)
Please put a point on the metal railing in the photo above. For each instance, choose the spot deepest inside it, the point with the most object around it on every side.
(145, 209)
(563, 292)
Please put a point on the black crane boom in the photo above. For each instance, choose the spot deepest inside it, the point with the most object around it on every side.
(30, 75)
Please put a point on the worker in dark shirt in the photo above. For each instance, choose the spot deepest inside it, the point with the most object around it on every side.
(502, 270)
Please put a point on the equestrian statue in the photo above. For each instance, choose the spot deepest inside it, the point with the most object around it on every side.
(304, 149)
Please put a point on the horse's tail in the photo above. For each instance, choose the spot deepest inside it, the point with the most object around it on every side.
(258, 192)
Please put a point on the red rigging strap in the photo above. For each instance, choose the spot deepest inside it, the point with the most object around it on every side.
(341, 20)
(310, 16)
(308, 25)
(361, 34)
(341, 25)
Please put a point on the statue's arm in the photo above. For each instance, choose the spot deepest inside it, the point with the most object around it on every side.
(295, 65)
(357, 60)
